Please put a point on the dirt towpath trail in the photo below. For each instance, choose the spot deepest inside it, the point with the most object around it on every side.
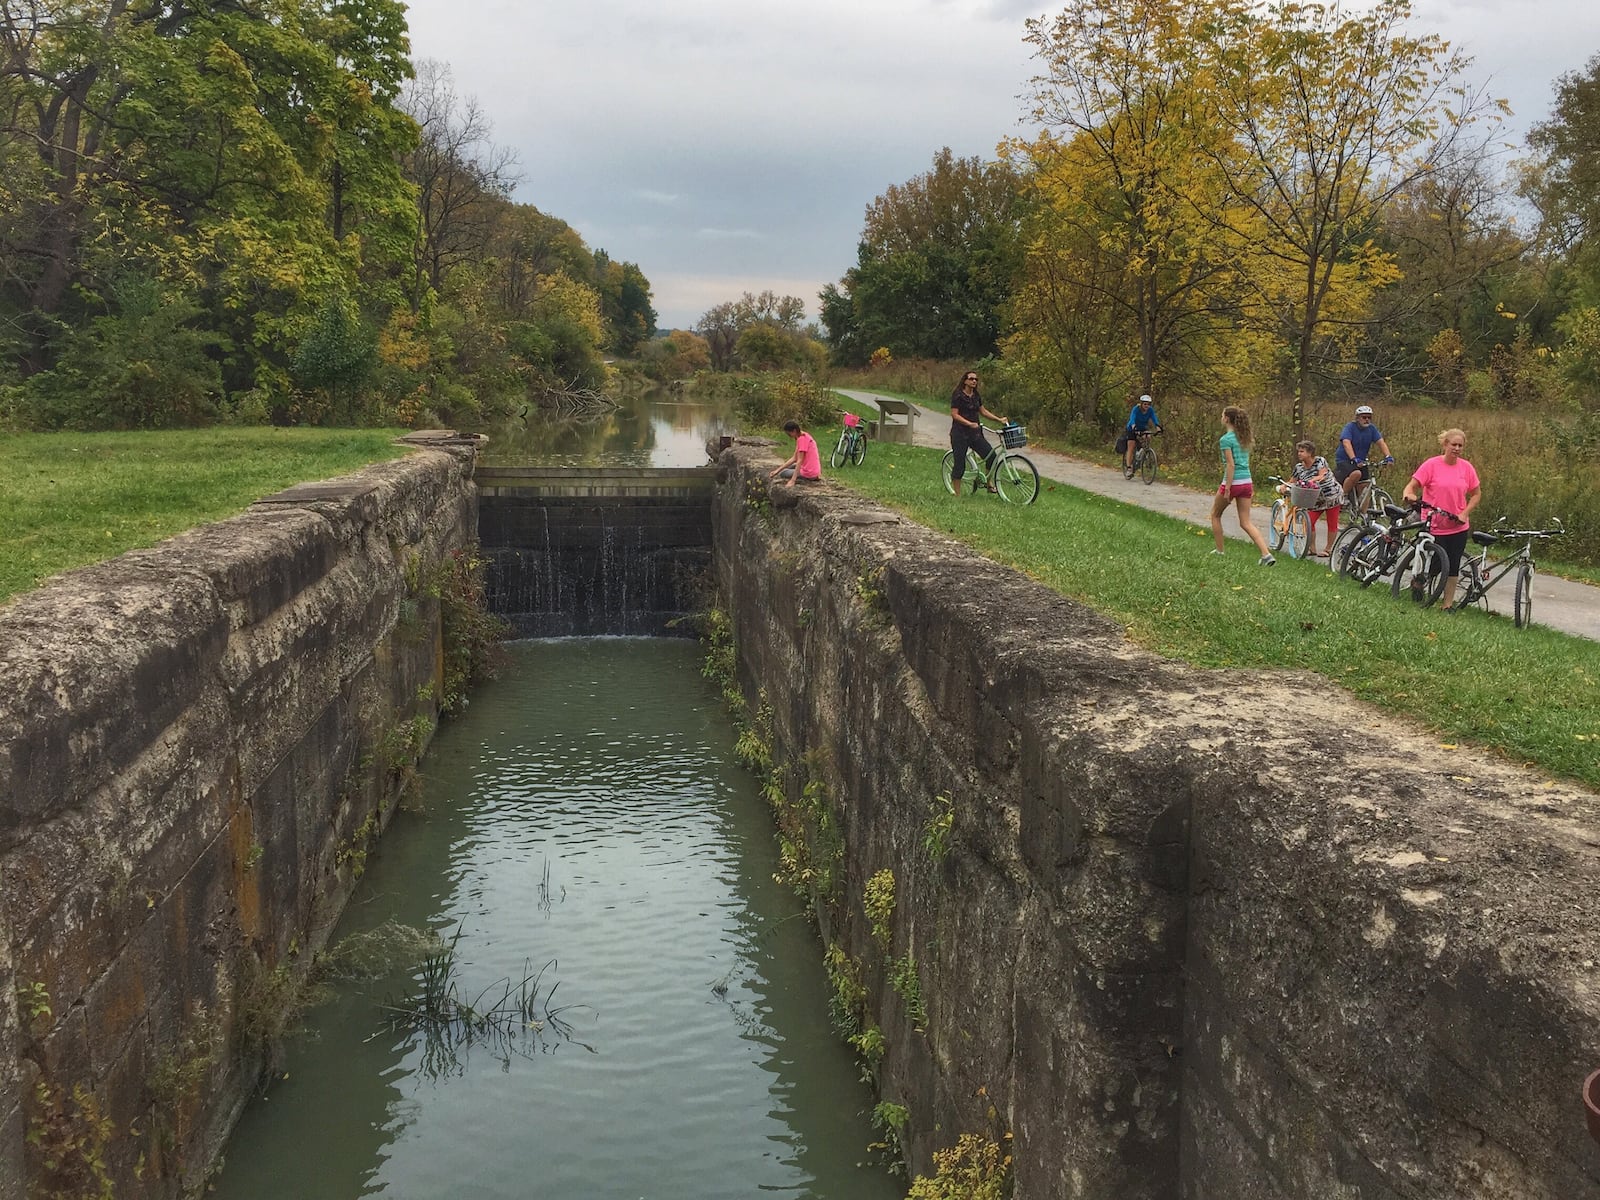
(1559, 603)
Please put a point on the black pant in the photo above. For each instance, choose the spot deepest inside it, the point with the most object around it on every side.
(963, 439)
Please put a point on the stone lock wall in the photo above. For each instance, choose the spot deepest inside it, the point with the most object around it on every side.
(1184, 948)
(195, 747)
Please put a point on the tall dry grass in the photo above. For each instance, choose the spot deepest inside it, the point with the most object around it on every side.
(1526, 476)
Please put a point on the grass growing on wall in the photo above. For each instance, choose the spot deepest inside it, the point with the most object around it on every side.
(70, 499)
(1531, 694)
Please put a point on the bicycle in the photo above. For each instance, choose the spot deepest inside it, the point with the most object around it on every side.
(1012, 476)
(1290, 527)
(1145, 459)
(1479, 572)
(1372, 550)
(852, 445)
(1422, 566)
(1370, 500)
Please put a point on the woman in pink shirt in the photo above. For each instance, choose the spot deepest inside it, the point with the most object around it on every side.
(1449, 483)
(806, 461)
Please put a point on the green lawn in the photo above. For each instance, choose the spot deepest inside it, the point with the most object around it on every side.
(1532, 694)
(68, 499)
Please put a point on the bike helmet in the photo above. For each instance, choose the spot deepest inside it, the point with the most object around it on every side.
(1364, 411)
(1145, 399)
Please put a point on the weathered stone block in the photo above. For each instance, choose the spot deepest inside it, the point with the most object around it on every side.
(1187, 949)
(181, 730)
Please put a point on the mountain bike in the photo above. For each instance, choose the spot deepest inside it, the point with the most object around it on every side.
(1012, 476)
(1290, 526)
(1145, 460)
(1370, 500)
(1479, 572)
(1373, 549)
(852, 445)
(1422, 566)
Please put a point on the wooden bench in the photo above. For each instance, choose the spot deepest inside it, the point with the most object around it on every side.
(896, 422)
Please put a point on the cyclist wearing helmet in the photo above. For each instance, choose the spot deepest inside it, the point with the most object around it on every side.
(1356, 441)
(1142, 419)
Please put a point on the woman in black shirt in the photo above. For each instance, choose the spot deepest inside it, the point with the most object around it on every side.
(966, 427)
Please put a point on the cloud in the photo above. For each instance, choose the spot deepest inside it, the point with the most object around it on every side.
(650, 196)
(720, 235)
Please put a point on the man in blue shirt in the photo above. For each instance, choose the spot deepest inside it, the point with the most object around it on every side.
(1356, 442)
(1142, 419)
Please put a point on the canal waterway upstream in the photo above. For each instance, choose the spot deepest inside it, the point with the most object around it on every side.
(585, 812)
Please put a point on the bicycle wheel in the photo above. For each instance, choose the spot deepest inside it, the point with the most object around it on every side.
(1339, 553)
(949, 465)
(1278, 526)
(858, 448)
(1522, 597)
(1298, 534)
(1420, 573)
(841, 450)
(1147, 464)
(1370, 560)
(1017, 479)
(1378, 500)
(1470, 589)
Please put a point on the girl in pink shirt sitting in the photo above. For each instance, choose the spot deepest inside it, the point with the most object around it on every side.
(1448, 482)
(805, 463)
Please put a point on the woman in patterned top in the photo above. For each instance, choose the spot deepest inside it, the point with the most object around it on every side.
(1313, 471)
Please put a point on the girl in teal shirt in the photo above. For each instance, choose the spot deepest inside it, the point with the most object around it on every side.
(1236, 488)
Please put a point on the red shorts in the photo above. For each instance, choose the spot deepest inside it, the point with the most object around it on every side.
(1237, 491)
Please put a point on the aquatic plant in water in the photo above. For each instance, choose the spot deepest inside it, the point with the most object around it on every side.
(505, 1019)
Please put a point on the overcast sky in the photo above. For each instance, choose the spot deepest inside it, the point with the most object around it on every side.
(733, 145)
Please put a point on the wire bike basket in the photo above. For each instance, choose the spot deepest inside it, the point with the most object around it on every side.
(1304, 497)
(1015, 437)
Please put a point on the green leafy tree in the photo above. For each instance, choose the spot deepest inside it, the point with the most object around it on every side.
(145, 364)
(1563, 177)
(935, 265)
(337, 357)
(722, 325)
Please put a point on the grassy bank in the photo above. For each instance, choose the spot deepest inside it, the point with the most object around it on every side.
(1529, 694)
(69, 499)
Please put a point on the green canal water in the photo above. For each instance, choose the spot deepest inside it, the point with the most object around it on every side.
(585, 812)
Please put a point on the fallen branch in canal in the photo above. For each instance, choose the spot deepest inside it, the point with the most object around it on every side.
(572, 401)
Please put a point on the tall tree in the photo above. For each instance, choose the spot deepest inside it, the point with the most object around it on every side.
(459, 174)
(934, 266)
(1563, 178)
(196, 145)
(1327, 115)
(722, 325)
(1117, 80)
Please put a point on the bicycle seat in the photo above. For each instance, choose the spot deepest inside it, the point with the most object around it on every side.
(1394, 512)
(1484, 539)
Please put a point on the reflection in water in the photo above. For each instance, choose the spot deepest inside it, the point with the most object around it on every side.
(658, 428)
(586, 809)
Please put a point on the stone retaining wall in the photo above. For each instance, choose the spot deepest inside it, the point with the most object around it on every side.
(197, 741)
(1183, 948)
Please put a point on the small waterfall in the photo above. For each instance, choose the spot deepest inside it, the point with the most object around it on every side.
(584, 552)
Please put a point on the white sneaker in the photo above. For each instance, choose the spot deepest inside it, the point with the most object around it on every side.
(1218, 553)
(1268, 561)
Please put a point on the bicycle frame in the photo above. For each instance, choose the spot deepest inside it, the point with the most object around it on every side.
(1480, 573)
(1367, 504)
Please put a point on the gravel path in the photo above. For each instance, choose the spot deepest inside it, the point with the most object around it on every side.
(1559, 603)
